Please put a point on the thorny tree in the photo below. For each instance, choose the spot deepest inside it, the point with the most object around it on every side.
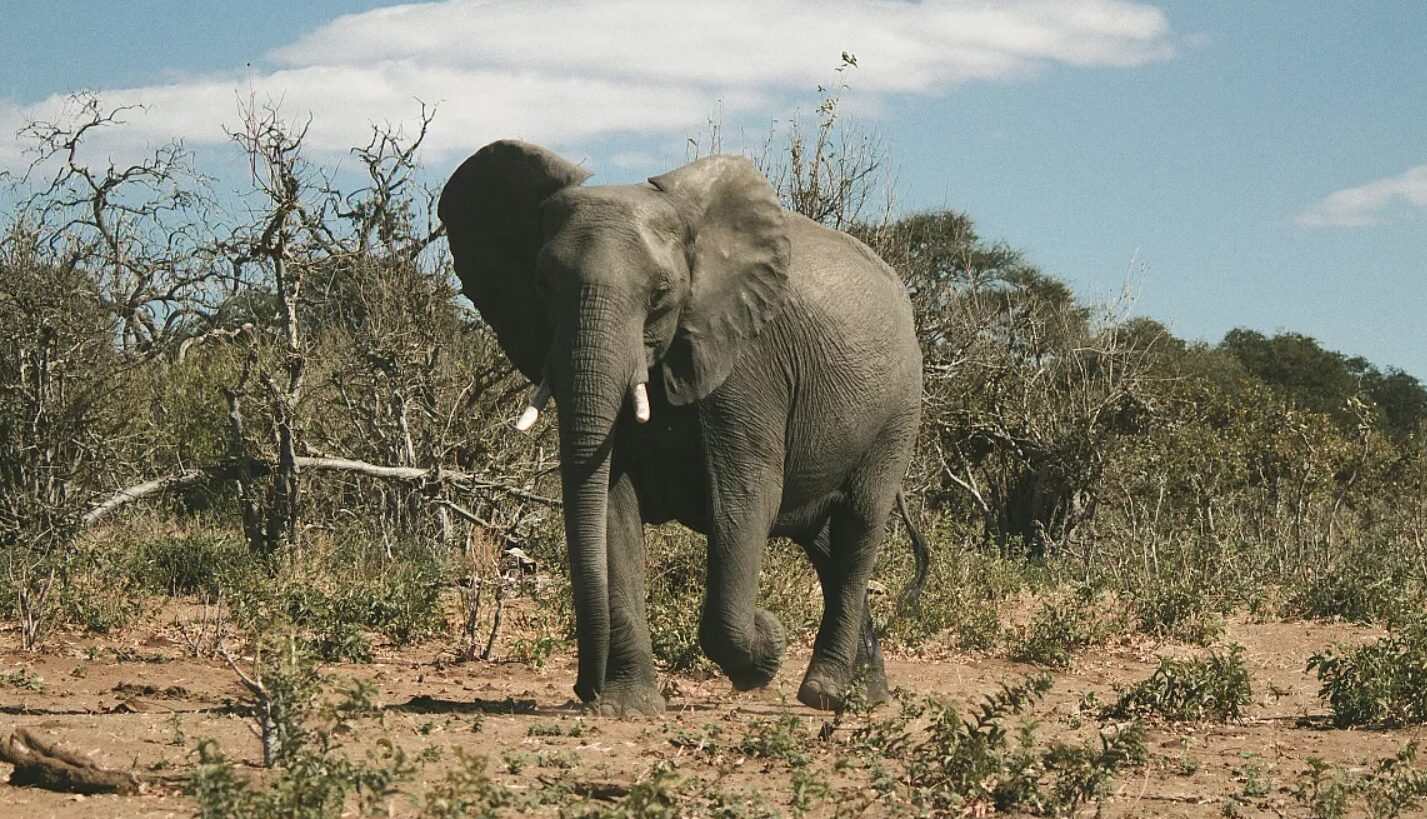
(835, 172)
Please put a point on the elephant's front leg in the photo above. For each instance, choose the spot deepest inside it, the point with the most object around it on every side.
(630, 686)
(747, 642)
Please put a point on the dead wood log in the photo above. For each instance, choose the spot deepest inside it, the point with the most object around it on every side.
(46, 765)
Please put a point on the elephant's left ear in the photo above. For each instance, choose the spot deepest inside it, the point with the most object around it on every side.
(738, 267)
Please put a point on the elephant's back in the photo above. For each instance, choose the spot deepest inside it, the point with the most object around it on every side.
(855, 302)
(850, 361)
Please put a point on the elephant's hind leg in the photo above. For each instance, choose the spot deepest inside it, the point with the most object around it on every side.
(869, 666)
(630, 686)
(845, 634)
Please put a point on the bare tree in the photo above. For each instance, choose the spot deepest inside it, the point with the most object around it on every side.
(280, 243)
(835, 172)
(138, 229)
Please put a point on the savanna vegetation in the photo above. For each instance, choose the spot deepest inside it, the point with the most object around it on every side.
(268, 426)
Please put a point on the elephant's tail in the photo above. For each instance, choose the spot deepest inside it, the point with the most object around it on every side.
(921, 553)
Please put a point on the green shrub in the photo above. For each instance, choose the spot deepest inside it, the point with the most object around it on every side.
(675, 600)
(399, 598)
(1214, 687)
(403, 603)
(674, 636)
(1059, 629)
(970, 766)
(961, 600)
(196, 563)
(1392, 786)
(1381, 683)
(95, 595)
(1367, 585)
(335, 640)
(1179, 611)
(977, 626)
(315, 778)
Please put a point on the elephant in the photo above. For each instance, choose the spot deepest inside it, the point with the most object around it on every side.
(716, 361)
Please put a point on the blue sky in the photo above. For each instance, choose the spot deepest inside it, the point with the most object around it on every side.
(1234, 164)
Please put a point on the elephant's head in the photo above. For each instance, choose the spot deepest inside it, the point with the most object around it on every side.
(592, 291)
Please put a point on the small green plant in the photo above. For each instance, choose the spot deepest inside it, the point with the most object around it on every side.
(515, 761)
(978, 626)
(1257, 782)
(1396, 784)
(564, 760)
(1214, 687)
(657, 797)
(1082, 773)
(809, 788)
(25, 680)
(284, 687)
(534, 652)
(1381, 683)
(177, 735)
(1324, 790)
(781, 738)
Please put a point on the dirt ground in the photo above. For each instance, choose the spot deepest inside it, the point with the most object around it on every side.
(139, 703)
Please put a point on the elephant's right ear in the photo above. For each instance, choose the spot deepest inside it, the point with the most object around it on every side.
(491, 209)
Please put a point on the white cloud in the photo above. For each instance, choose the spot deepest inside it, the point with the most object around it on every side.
(1371, 203)
(564, 71)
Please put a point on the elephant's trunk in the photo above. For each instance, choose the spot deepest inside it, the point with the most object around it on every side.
(591, 384)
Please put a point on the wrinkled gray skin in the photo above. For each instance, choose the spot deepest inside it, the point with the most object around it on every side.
(784, 379)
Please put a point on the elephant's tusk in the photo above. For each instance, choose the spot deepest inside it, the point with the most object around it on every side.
(641, 403)
(528, 418)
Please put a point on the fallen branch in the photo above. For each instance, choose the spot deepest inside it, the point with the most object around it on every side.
(148, 489)
(235, 469)
(466, 514)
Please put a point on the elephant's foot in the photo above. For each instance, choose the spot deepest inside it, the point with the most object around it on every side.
(821, 694)
(877, 691)
(629, 700)
(756, 665)
(825, 689)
